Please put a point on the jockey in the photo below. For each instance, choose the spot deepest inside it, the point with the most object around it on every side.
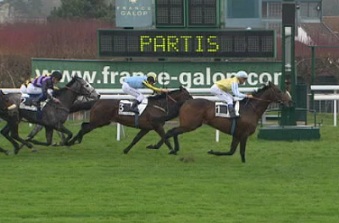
(226, 89)
(23, 87)
(43, 86)
(132, 84)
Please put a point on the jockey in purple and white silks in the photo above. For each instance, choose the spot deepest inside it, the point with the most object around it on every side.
(43, 86)
(228, 88)
(132, 84)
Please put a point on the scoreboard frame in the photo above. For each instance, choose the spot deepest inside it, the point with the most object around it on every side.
(186, 43)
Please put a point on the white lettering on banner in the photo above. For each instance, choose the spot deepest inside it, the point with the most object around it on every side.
(187, 79)
(133, 11)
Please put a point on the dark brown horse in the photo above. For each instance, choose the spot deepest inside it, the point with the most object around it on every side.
(160, 108)
(196, 112)
(10, 130)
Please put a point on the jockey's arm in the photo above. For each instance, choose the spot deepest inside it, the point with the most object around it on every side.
(158, 90)
(235, 91)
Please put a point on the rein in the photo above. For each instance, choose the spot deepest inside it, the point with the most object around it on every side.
(260, 99)
(170, 97)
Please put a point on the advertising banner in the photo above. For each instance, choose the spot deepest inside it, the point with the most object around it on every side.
(110, 74)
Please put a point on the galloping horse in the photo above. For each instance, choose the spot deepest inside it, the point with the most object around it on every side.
(54, 115)
(160, 108)
(81, 104)
(196, 112)
(11, 119)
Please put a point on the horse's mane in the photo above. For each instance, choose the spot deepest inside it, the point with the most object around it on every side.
(163, 95)
(261, 90)
(58, 92)
(69, 84)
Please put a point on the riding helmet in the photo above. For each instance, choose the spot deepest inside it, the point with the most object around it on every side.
(152, 75)
(242, 74)
(57, 75)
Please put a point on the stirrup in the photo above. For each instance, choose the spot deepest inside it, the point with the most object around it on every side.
(135, 110)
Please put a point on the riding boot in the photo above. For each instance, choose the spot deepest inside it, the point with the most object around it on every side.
(231, 111)
(134, 107)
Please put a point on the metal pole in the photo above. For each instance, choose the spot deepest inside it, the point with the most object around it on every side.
(312, 74)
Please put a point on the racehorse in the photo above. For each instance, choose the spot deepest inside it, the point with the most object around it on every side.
(10, 130)
(196, 112)
(81, 104)
(54, 115)
(160, 108)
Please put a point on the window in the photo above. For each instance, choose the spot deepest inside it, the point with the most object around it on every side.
(242, 9)
(271, 10)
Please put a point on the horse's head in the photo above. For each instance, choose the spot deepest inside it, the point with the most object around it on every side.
(3, 102)
(180, 95)
(83, 88)
(274, 94)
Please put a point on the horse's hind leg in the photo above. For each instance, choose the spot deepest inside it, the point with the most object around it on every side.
(136, 139)
(37, 128)
(13, 130)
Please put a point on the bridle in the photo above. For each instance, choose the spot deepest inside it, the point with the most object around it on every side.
(80, 92)
(269, 101)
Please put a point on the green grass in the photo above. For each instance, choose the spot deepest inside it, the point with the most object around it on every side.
(95, 182)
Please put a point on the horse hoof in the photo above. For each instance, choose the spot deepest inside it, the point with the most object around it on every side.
(210, 152)
(126, 151)
(151, 147)
(173, 152)
(34, 150)
(6, 153)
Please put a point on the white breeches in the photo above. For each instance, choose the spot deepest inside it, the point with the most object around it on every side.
(222, 95)
(31, 89)
(133, 92)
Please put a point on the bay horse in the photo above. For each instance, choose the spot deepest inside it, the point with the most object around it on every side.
(160, 108)
(54, 115)
(196, 112)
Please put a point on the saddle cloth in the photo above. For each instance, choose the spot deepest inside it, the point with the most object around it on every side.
(124, 107)
(221, 109)
(26, 103)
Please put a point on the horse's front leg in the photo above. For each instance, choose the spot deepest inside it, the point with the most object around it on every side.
(174, 133)
(4, 151)
(48, 135)
(68, 134)
(234, 145)
(161, 132)
(85, 128)
(243, 143)
(136, 139)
